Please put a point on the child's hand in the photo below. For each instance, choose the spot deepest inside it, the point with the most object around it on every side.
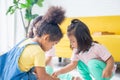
(55, 78)
(55, 74)
(76, 78)
(107, 73)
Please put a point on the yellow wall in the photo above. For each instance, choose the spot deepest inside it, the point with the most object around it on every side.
(97, 23)
(112, 43)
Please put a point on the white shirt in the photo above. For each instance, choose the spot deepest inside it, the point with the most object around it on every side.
(51, 53)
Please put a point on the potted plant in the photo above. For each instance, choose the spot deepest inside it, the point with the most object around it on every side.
(27, 6)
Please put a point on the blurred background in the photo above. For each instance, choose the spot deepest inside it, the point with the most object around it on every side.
(103, 17)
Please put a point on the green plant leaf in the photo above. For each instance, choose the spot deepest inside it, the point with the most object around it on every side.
(28, 1)
(28, 14)
(34, 16)
(11, 9)
(32, 2)
(24, 5)
(15, 1)
(39, 3)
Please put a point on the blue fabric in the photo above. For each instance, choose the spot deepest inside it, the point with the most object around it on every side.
(9, 69)
(83, 70)
(94, 67)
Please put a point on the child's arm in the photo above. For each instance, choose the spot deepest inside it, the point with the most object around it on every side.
(42, 75)
(109, 67)
(66, 69)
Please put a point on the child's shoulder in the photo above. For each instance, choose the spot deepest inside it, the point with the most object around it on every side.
(97, 46)
(26, 42)
(30, 46)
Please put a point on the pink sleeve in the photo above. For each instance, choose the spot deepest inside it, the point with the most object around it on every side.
(74, 55)
(102, 52)
(51, 52)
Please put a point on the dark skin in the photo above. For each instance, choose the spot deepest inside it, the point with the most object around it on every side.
(40, 71)
(42, 75)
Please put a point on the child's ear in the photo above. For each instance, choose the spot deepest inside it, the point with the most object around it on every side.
(46, 37)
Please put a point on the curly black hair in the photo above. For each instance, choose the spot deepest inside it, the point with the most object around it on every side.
(50, 23)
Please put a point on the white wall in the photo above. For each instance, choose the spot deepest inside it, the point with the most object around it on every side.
(11, 28)
(19, 29)
(75, 8)
(6, 27)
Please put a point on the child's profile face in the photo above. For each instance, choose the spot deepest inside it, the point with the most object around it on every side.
(73, 41)
(46, 44)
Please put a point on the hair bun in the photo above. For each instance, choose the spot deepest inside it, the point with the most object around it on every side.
(54, 15)
(75, 21)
